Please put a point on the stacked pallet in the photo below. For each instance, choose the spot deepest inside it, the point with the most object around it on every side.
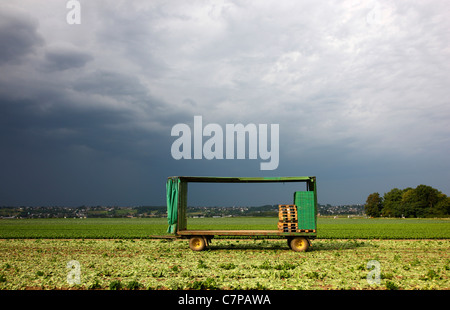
(287, 218)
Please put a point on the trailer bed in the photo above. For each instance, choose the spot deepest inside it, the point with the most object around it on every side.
(303, 232)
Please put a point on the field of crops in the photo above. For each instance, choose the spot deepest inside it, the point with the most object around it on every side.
(340, 228)
(229, 264)
(117, 254)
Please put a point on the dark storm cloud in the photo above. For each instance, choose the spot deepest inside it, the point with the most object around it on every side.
(359, 89)
(109, 83)
(75, 116)
(69, 154)
(62, 60)
(18, 35)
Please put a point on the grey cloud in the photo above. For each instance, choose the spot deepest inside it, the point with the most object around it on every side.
(105, 111)
(59, 60)
(131, 30)
(110, 83)
(18, 35)
(357, 102)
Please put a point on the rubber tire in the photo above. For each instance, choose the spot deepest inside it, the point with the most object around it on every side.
(289, 242)
(299, 244)
(197, 243)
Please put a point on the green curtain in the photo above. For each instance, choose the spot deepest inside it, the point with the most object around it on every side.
(306, 212)
(172, 204)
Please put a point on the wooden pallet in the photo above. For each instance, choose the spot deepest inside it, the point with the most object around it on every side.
(287, 213)
(288, 208)
(287, 227)
(287, 217)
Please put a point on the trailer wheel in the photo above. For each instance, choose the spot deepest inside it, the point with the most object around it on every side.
(299, 244)
(289, 242)
(197, 243)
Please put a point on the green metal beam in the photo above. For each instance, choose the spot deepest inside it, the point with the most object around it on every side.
(210, 179)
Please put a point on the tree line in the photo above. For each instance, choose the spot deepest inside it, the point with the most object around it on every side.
(422, 201)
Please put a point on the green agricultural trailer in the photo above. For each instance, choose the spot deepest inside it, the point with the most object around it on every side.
(298, 239)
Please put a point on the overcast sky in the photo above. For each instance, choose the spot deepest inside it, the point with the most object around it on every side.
(360, 90)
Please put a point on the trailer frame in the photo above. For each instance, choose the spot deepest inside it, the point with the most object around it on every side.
(177, 188)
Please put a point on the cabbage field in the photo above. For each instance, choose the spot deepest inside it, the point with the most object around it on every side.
(136, 228)
(228, 264)
(108, 254)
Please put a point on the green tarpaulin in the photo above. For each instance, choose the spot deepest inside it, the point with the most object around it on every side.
(172, 204)
(305, 203)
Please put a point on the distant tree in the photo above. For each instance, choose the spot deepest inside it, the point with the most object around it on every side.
(374, 204)
(392, 203)
(442, 208)
(428, 197)
(409, 204)
(423, 201)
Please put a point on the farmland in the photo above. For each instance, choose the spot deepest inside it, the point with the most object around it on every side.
(341, 228)
(229, 264)
(117, 254)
